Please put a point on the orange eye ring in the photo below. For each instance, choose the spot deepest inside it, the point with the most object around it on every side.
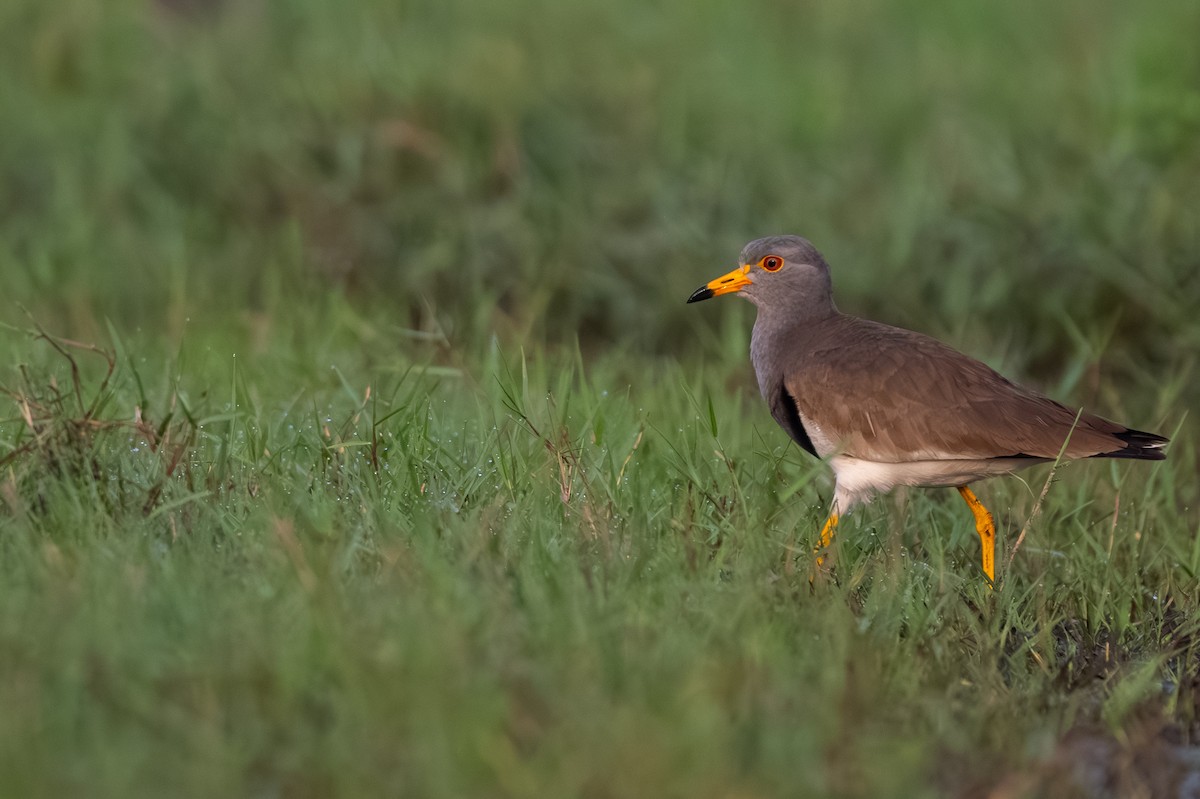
(772, 263)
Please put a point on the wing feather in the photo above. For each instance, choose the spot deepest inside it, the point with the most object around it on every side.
(893, 395)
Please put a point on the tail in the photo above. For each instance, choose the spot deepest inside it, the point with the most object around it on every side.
(1137, 444)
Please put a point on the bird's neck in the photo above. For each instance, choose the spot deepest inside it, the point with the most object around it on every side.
(777, 333)
(774, 324)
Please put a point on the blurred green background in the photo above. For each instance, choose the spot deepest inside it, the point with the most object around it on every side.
(416, 476)
(547, 170)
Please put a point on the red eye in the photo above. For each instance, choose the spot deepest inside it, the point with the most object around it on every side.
(772, 263)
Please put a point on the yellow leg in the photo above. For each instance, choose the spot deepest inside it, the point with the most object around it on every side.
(986, 527)
(826, 537)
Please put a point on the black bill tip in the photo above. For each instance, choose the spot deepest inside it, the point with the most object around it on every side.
(702, 293)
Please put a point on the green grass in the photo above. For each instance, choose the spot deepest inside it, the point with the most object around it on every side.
(357, 440)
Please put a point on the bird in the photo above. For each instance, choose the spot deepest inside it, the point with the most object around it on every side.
(887, 407)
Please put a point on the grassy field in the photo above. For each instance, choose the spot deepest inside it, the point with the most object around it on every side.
(357, 440)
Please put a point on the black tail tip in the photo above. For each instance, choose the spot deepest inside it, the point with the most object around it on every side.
(1140, 445)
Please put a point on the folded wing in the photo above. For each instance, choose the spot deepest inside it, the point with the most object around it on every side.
(891, 395)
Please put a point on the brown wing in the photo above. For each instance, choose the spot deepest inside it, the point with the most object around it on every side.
(892, 395)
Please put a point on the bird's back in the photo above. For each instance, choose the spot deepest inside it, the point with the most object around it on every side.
(885, 394)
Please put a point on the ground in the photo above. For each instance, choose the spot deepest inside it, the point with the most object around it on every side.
(358, 440)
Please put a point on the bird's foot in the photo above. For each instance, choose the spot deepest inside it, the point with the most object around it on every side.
(822, 571)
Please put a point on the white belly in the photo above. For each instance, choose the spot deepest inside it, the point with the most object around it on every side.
(858, 480)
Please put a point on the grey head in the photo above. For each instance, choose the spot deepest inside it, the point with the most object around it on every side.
(782, 275)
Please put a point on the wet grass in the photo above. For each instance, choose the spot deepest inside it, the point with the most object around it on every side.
(538, 576)
(356, 439)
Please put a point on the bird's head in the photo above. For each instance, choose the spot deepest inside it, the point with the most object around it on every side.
(783, 271)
